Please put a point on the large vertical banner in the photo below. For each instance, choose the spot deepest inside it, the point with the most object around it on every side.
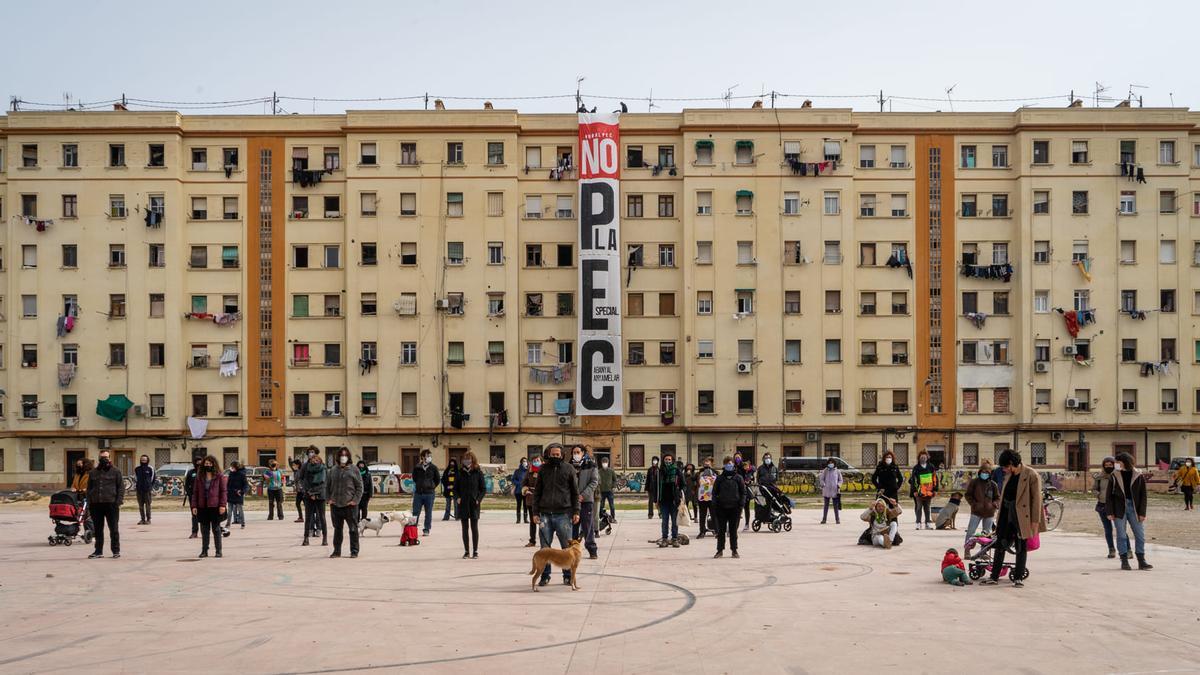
(599, 265)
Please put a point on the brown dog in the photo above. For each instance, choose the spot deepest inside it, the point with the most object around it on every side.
(567, 558)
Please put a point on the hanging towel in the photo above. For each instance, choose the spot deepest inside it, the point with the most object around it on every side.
(66, 373)
(198, 427)
(229, 362)
(1072, 321)
(60, 326)
(69, 323)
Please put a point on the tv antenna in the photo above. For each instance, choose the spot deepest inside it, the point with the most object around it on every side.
(1100, 89)
(1139, 96)
(67, 100)
(728, 96)
(950, 90)
(651, 105)
(578, 99)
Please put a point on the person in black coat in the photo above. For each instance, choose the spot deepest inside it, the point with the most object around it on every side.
(448, 488)
(236, 490)
(887, 477)
(368, 489)
(729, 493)
(189, 480)
(469, 490)
(652, 487)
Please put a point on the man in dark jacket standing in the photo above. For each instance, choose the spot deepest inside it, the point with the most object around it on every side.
(728, 494)
(652, 487)
(144, 482)
(343, 488)
(555, 504)
(236, 486)
(670, 494)
(189, 483)
(106, 493)
(313, 480)
(425, 483)
(587, 477)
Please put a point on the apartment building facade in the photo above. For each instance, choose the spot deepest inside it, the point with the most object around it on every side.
(798, 281)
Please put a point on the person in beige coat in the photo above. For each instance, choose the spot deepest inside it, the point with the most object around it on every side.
(1021, 516)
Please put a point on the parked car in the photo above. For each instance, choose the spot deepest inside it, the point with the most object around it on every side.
(179, 469)
(812, 464)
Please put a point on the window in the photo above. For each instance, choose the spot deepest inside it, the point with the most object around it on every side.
(666, 304)
(833, 302)
(563, 205)
(968, 156)
(454, 152)
(366, 203)
(791, 351)
(899, 303)
(833, 150)
(1166, 300)
(1127, 204)
(866, 303)
(745, 399)
(634, 305)
(704, 203)
(866, 205)
(495, 153)
(533, 403)
(666, 156)
(367, 154)
(1000, 206)
(116, 155)
(408, 353)
(333, 206)
(866, 156)
(70, 155)
(333, 257)
(898, 157)
(333, 405)
(454, 253)
(1166, 251)
(900, 400)
(157, 305)
(565, 303)
(833, 351)
(70, 256)
(29, 256)
(970, 302)
(832, 201)
(666, 353)
(1166, 152)
(833, 253)
(116, 355)
(495, 304)
(565, 255)
(744, 203)
(870, 401)
(791, 203)
(1041, 302)
(637, 353)
(633, 157)
(666, 255)
(633, 206)
(29, 308)
(368, 304)
(743, 152)
(29, 356)
(1081, 299)
(1000, 303)
(704, 349)
(70, 206)
(333, 305)
(704, 302)
(158, 355)
(29, 205)
(454, 204)
(1128, 151)
(1041, 400)
(533, 304)
(1041, 152)
(1000, 398)
(666, 206)
(833, 401)
(899, 205)
(1079, 202)
(704, 401)
(999, 253)
(970, 400)
(791, 302)
(1079, 251)
(229, 158)
(1079, 152)
(1129, 401)
(1000, 156)
(1166, 350)
(704, 253)
(229, 257)
(637, 403)
(1170, 400)
(1041, 201)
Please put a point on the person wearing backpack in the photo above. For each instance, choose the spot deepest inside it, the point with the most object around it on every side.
(923, 487)
(728, 494)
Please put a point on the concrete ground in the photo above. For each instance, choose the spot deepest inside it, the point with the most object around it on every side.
(808, 601)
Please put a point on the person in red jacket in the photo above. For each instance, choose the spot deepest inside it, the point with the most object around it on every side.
(954, 572)
(209, 499)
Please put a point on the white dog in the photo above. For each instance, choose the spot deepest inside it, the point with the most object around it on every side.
(369, 523)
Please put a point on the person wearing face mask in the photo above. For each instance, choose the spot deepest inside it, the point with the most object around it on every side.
(273, 481)
(448, 488)
(364, 503)
(691, 481)
(728, 494)
(344, 489)
(652, 487)
(1100, 488)
(883, 526)
(470, 489)
(670, 493)
(527, 489)
(923, 487)
(767, 473)
(425, 483)
(587, 478)
(1126, 505)
(887, 477)
(189, 483)
(298, 486)
(984, 498)
(210, 494)
(1021, 517)
(608, 481)
(1188, 478)
(143, 476)
(705, 482)
(830, 482)
(236, 487)
(313, 479)
(518, 479)
(747, 473)
(105, 494)
(79, 481)
(555, 505)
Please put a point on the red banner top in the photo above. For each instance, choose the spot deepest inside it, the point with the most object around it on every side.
(599, 146)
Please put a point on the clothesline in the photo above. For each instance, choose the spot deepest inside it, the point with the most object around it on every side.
(811, 168)
(39, 224)
(1074, 320)
(1001, 271)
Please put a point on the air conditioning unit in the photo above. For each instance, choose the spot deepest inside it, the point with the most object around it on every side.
(104, 443)
(744, 366)
(564, 420)
(141, 410)
(68, 422)
(812, 436)
(1056, 436)
(1072, 403)
(1070, 350)
(1041, 366)
(441, 303)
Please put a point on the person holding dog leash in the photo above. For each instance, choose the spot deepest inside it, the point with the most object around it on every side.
(425, 483)
(344, 488)
(555, 504)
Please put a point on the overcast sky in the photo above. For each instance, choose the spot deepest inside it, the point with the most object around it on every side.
(221, 50)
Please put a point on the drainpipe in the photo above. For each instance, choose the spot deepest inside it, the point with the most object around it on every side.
(1145, 446)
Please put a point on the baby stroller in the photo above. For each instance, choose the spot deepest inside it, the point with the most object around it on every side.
(771, 508)
(69, 516)
(979, 557)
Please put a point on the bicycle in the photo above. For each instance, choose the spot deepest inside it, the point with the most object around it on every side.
(1052, 508)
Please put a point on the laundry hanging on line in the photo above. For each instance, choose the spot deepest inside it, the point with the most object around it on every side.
(307, 177)
(1148, 368)
(40, 224)
(1084, 266)
(900, 259)
(557, 374)
(811, 168)
(1138, 314)
(1002, 271)
(977, 319)
(154, 218)
(229, 362)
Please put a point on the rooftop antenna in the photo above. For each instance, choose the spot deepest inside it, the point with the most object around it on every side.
(578, 99)
(1139, 97)
(14, 103)
(651, 105)
(1172, 95)
(728, 96)
(1100, 89)
(67, 100)
(949, 100)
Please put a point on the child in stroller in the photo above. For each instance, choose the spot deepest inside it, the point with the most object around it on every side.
(979, 556)
(69, 514)
(772, 508)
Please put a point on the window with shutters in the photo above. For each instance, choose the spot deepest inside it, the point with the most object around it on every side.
(1000, 398)
(970, 400)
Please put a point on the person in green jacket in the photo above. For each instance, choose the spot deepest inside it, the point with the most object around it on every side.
(608, 480)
